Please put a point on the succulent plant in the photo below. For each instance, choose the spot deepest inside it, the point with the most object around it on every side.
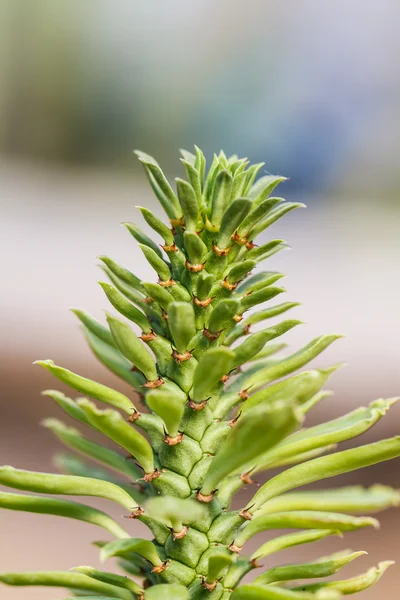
(221, 405)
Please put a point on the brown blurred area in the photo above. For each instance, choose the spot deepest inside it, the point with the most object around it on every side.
(81, 84)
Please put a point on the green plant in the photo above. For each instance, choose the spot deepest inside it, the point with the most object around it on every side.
(221, 407)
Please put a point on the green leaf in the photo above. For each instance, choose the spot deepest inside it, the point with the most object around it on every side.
(214, 364)
(141, 237)
(259, 281)
(256, 317)
(167, 406)
(115, 361)
(263, 252)
(306, 519)
(259, 297)
(167, 591)
(321, 568)
(353, 499)
(124, 307)
(64, 580)
(111, 578)
(195, 247)
(73, 439)
(122, 273)
(264, 187)
(251, 435)
(113, 425)
(291, 539)
(260, 592)
(332, 432)
(94, 326)
(239, 270)
(252, 173)
(293, 362)
(221, 196)
(232, 218)
(189, 204)
(205, 282)
(160, 185)
(157, 263)
(353, 585)
(157, 225)
(210, 179)
(222, 314)
(159, 294)
(275, 214)
(68, 405)
(194, 179)
(258, 213)
(132, 348)
(170, 510)
(217, 562)
(121, 547)
(88, 387)
(68, 485)
(181, 324)
(61, 508)
(200, 163)
(256, 342)
(325, 467)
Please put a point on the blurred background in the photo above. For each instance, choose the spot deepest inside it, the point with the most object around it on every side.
(311, 88)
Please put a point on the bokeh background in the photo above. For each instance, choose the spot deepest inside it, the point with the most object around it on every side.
(312, 88)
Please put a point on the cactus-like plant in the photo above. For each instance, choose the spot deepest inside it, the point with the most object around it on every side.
(220, 407)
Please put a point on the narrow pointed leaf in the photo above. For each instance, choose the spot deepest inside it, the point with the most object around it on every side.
(222, 314)
(264, 187)
(240, 270)
(68, 485)
(159, 294)
(259, 281)
(213, 365)
(168, 510)
(320, 568)
(157, 225)
(132, 348)
(122, 273)
(195, 247)
(200, 163)
(73, 439)
(115, 361)
(157, 263)
(89, 387)
(112, 424)
(194, 179)
(142, 238)
(256, 317)
(188, 201)
(205, 282)
(275, 214)
(252, 173)
(258, 213)
(291, 539)
(68, 405)
(295, 361)
(260, 253)
(64, 580)
(327, 466)
(167, 591)
(259, 297)
(216, 564)
(160, 185)
(250, 436)
(122, 547)
(332, 432)
(307, 519)
(256, 342)
(181, 324)
(353, 499)
(210, 179)
(110, 578)
(61, 508)
(221, 196)
(124, 307)
(232, 217)
(253, 591)
(94, 326)
(167, 406)
(353, 585)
